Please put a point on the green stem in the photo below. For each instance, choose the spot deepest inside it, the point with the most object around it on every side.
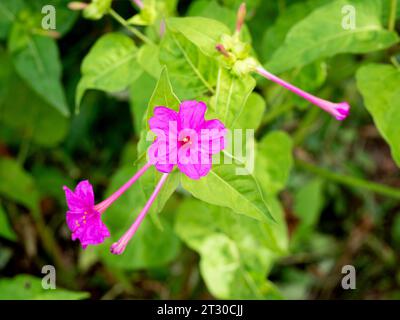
(349, 181)
(135, 31)
(392, 16)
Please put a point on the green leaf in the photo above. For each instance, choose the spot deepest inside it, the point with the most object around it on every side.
(224, 187)
(380, 87)
(321, 35)
(8, 14)
(274, 161)
(148, 58)
(150, 246)
(309, 202)
(235, 250)
(18, 185)
(41, 123)
(140, 93)
(65, 17)
(97, 9)
(6, 230)
(252, 112)
(163, 95)
(274, 36)
(27, 287)
(203, 32)
(110, 65)
(36, 59)
(231, 95)
(192, 73)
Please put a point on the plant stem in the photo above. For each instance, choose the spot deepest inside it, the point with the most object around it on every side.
(392, 16)
(135, 31)
(349, 181)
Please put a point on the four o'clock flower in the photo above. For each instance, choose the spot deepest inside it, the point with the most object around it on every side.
(184, 139)
(237, 57)
(84, 217)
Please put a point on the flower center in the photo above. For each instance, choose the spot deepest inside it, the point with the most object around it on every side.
(186, 140)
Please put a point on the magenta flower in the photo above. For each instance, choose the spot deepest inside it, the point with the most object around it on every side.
(339, 110)
(84, 217)
(185, 139)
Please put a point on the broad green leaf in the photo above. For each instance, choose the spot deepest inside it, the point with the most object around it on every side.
(231, 95)
(27, 287)
(18, 185)
(252, 112)
(163, 95)
(140, 93)
(65, 17)
(321, 35)
(41, 123)
(309, 202)
(274, 161)
(203, 32)
(150, 246)
(110, 65)
(97, 9)
(224, 187)
(148, 59)
(6, 230)
(36, 59)
(8, 14)
(275, 35)
(235, 250)
(380, 87)
(192, 73)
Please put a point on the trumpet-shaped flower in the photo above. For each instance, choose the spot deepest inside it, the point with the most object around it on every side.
(185, 139)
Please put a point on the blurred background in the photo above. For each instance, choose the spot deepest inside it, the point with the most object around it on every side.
(341, 201)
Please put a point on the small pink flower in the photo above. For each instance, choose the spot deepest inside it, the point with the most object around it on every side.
(185, 139)
(82, 218)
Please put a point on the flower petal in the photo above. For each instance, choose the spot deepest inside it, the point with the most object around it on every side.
(74, 202)
(161, 119)
(84, 191)
(212, 136)
(191, 114)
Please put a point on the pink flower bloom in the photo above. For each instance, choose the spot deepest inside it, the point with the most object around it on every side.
(185, 139)
(84, 217)
(339, 110)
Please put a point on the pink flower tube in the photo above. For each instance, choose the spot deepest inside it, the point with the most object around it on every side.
(184, 139)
